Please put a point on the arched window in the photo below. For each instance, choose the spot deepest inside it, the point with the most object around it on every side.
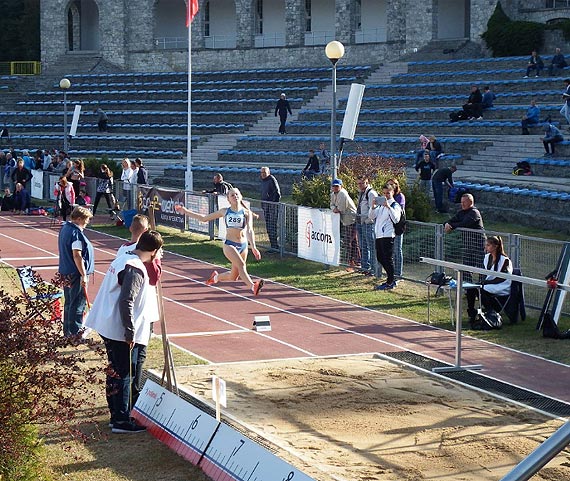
(170, 30)
(83, 25)
(221, 23)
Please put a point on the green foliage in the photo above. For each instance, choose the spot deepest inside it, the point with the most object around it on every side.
(93, 166)
(507, 38)
(43, 380)
(418, 205)
(313, 192)
(19, 30)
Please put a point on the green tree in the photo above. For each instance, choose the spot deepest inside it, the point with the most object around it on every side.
(19, 30)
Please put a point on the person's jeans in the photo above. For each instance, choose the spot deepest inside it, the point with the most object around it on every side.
(73, 306)
(271, 214)
(525, 123)
(398, 255)
(533, 67)
(438, 194)
(425, 186)
(123, 370)
(565, 110)
(282, 121)
(367, 242)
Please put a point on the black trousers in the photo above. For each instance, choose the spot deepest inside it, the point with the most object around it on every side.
(271, 215)
(385, 256)
(108, 198)
(282, 119)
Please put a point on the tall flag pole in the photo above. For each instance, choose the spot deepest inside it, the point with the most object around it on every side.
(191, 11)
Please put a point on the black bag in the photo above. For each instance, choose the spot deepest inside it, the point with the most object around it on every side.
(439, 278)
(550, 328)
(400, 226)
(486, 321)
(457, 116)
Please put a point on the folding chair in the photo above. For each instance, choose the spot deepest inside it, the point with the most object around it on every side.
(43, 297)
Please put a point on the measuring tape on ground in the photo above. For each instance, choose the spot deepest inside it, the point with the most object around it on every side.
(216, 447)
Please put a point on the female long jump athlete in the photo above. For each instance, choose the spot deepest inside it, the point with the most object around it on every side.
(239, 230)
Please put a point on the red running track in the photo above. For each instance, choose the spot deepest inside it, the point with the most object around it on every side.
(215, 322)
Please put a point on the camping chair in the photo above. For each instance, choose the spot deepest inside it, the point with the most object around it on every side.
(514, 307)
(43, 297)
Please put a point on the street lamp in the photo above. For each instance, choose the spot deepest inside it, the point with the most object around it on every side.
(64, 84)
(334, 52)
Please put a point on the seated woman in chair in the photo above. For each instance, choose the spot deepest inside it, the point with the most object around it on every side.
(495, 291)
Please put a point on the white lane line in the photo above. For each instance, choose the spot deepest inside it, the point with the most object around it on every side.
(209, 333)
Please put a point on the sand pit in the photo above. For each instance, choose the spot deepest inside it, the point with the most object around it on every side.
(365, 419)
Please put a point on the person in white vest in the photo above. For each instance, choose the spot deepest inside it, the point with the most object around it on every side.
(122, 313)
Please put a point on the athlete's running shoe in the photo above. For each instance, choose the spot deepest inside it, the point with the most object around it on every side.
(212, 279)
(257, 285)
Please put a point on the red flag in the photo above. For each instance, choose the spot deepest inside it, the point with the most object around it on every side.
(191, 11)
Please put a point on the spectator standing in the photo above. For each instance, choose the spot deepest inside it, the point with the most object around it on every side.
(488, 98)
(565, 110)
(365, 227)
(221, 187)
(440, 178)
(122, 314)
(426, 168)
(102, 120)
(2, 167)
(65, 197)
(76, 174)
(21, 175)
(28, 161)
(532, 117)
(534, 63)
(341, 203)
(325, 161)
(400, 198)
(312, 168)
(552, 136)
(9, 168)
(282, 108)
(22, 199)
(127, 179)
(46, 159)
(386, 212)
(557, 63)
(76, 263)
(474, 107)
(142, 174)
(470, 221)
(270, 197)
(7, 201)
(104, 188)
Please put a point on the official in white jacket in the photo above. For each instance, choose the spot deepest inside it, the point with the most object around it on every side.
(122, 313)
(386, 212)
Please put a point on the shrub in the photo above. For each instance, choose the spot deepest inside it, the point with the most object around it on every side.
(42, 381)
(93, 167)
(507, 38)
(313, 192)
(418, 205)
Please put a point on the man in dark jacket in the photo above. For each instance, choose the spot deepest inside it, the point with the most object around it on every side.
(439, 178)
(472, 235)
(282, 108)
(474, 106)
(558, 63)
(22, 200)
(21, 175)
(534, 63)
(270, 196)
(312, 168)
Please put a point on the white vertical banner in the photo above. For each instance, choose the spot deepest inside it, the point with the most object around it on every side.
(75, 121)
(37, 184)
(318, 235)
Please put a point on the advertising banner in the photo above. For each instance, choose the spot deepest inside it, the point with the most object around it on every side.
(162, 202)
(200, 205)
(318, 235)
(37, 182)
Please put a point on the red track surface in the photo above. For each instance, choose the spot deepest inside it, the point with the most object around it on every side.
(215, 322)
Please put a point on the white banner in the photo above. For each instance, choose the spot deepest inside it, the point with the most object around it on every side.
(318, 235)
(75, 121)
(37, 184)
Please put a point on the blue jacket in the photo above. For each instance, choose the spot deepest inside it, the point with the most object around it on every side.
(533, 114)
(488, 98)
(551, 132)
(68, 234)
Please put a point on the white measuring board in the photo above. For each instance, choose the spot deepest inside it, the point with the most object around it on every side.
(189, 431)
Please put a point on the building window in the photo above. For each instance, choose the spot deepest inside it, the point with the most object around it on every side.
(308, 27)
(358, 14)
(259, 17)
(206, 19)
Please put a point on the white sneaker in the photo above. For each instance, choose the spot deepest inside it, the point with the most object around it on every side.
(526, 76)
(536, 76)
(479, 118)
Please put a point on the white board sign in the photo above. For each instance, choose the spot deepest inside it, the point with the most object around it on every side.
(219, 391)
(37, 184)
(75, 121)
(318, 235)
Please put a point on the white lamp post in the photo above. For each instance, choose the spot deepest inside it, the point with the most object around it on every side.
(64, 84)
(334, 52)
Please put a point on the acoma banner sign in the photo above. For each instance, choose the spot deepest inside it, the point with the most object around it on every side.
(318, 236)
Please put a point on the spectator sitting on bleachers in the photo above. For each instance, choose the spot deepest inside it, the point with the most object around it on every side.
(312, 168)
(552, 136)
(435, 149)
(425, 168)
(557, 63)
(534, 63)
(532, 117)
(488, 98)
(22, 199)
(424, 142)
(474, 108)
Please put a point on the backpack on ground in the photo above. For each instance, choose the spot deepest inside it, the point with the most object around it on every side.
(550, 328)
(457, 116)
(522, 168)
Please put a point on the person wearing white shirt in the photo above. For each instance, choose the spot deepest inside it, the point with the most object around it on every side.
(386, 212)
(127, 179)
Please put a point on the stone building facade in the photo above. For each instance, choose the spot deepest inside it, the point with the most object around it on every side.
(150, 35)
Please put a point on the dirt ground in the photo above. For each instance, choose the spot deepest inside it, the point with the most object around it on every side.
(367, 419)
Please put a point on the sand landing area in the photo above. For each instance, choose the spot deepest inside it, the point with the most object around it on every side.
(363, 419)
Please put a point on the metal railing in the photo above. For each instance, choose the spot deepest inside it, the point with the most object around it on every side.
(21, 68)
(370, 35)
(171, 43)
(220, 41)
(269, 40)
(319, 37)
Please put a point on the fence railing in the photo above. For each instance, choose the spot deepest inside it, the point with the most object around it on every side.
(171, 43)
(21, 68)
